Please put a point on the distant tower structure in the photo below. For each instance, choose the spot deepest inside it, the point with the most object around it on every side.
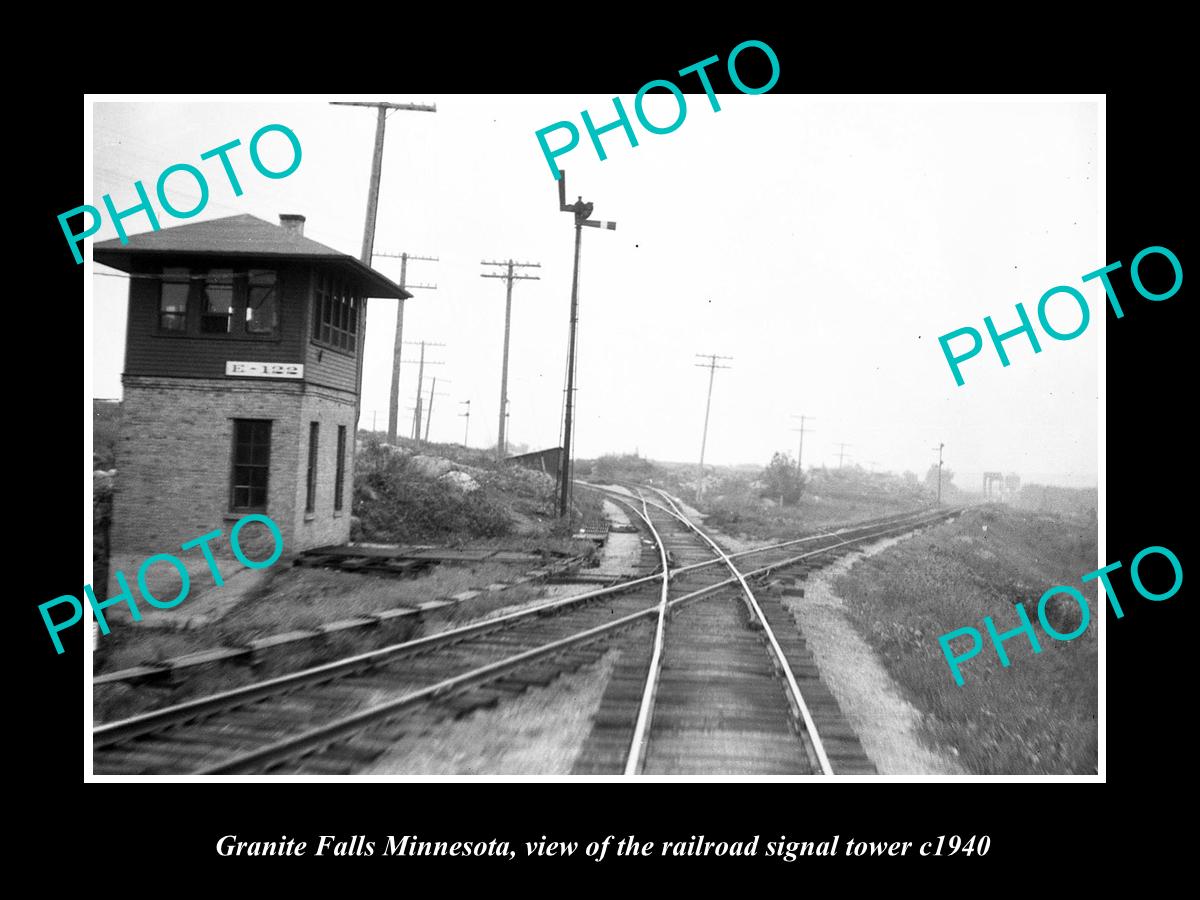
(1012, 483)
(993, 485)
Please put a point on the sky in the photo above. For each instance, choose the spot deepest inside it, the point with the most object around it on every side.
(822, 243)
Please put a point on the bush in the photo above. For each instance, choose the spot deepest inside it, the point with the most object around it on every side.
(783, 481)
(395, 502)
(627, 467)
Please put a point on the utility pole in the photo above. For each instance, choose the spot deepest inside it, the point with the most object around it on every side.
(421, 363)
(800, 453)
(501, 439)
(377, 164)
(938, 448)
(712, 367)
(581, 211)
(429, 412)
(368, 244)
(466, 431)
(398, 343)
(842, 453)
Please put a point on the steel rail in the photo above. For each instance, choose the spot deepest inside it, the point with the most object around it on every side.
(114, 732)
(324, 735)
(883, 520)
(797, 697)
(641, 730)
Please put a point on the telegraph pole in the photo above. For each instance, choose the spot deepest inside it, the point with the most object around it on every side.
(938, 448)
(398, 343)
(842, 453)
(581, 211)
(420, 380)
(421, 363)
(712, 367)
(429, 413)
(377, 164)
(467, 414)
(800, 453)
(368, 244)
(501, 439)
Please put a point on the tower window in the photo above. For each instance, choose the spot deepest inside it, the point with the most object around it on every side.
(251, 464)
(217, 311)
(173, 299)
(314, 438)
(341, 468)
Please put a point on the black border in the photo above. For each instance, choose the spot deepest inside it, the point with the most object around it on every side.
(1146, 438)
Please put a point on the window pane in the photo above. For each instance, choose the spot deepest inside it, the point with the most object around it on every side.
(218, 291)
(172, 304)
(217, 309)
(314, 432)
(174, 297)
(341, 467)
(262, 303)
(251, 463)
(262, 310)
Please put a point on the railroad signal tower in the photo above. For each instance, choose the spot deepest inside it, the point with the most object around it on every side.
(582, 213)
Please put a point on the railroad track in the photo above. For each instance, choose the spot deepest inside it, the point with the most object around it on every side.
(341, 716)
(729, 686)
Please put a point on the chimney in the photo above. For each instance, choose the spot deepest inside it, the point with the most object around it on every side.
(292, 223)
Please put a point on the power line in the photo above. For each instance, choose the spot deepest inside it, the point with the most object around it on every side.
(421, 363)
(433, 392)
(842, 452)
(800, 452)
(368, 244)
(712, 367)
(509, 278)
(398, 341)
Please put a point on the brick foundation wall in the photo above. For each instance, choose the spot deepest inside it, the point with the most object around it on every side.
(325, 526)
(174, 458)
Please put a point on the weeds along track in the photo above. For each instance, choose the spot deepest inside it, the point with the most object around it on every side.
(728, 686)
(341, 716)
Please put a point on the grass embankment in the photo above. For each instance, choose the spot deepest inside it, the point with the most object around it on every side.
(831, 497)
(1039, 714)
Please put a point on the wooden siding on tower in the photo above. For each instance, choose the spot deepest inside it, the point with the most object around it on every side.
(149, 351)
(325, 365)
